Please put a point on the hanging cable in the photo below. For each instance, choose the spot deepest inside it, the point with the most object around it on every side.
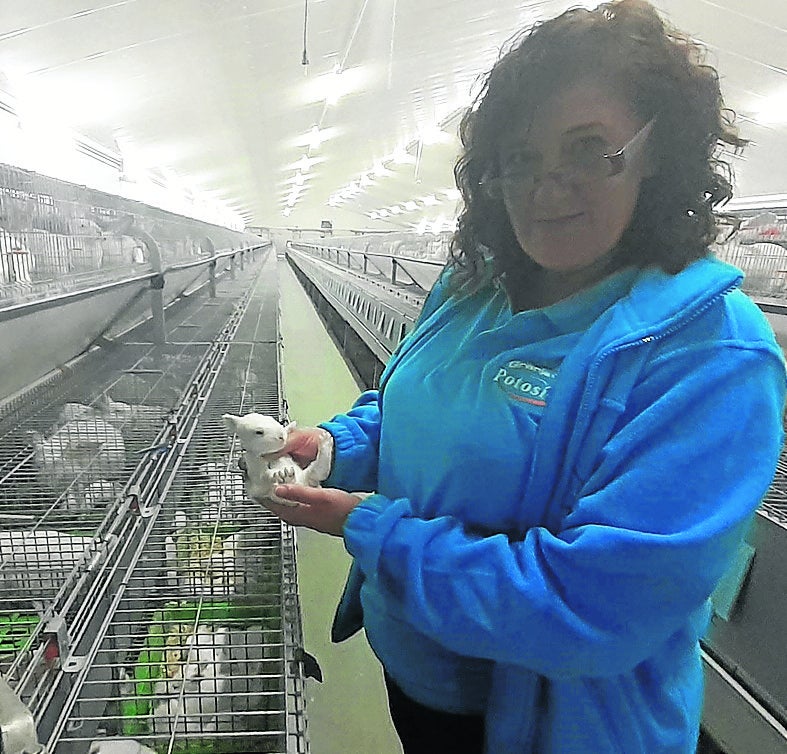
(305, 58)
(391, 49)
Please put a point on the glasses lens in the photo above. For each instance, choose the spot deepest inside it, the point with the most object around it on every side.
(586, 161)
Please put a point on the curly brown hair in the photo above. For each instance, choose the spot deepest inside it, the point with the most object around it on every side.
(661, 73)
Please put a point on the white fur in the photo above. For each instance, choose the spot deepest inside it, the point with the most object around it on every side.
(224, 487)
(89, 449)
(202, 679)
(39, 561)
(96, 494)
(118, 746)
(261, 437)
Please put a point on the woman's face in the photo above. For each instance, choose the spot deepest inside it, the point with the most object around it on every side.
(562, 224)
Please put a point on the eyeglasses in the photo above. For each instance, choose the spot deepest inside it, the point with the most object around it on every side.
(585, 163)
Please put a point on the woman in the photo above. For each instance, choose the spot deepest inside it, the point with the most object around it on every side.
(567, 449)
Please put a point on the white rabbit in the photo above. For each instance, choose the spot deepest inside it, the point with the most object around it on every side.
(261, 438)
(118, 746)
(224, 486)
(96, 494)
(88, 449)
(39, 561)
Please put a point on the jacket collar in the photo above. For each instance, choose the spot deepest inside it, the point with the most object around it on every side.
(658, 297)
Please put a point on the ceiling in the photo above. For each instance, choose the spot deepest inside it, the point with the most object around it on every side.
(216, 91)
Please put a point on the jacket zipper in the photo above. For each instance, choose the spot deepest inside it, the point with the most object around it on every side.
(682, 322)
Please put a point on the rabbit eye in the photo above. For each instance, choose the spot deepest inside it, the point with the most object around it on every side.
(260, 432)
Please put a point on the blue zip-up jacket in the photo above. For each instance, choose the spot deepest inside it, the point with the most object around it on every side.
(576, 588)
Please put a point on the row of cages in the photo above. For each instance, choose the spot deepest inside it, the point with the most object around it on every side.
(379, 312)
(760, 251)
(146, 605)
(424, 246)
(55, 235)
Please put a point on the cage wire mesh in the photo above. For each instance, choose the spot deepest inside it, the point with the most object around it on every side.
(201, 654)
(211, 561)
(57, 236)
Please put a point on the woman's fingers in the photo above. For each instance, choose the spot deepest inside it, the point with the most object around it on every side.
(299, 493)
(323, 509)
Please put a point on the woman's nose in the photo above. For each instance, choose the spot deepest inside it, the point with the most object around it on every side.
(550, 188)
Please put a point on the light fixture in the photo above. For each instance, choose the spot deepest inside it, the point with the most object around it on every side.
(402, 157)
(410, 206)
(315, 138)
(430, 200)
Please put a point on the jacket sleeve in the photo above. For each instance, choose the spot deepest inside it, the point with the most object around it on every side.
(356, 434)
(356, 440)
(651, 530)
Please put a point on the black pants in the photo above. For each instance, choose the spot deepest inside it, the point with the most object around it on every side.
(427, 731)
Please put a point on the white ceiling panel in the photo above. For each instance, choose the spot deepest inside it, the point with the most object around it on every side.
(216, 91)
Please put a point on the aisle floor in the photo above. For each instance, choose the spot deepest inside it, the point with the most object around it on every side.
(347, 713)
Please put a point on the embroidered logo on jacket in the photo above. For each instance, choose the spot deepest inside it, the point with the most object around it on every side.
(525, 382)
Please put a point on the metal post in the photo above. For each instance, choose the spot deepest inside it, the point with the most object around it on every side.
(156, 286)
(393, 270)
(365, 264)
(242, 258)
(212, 279)
(232, 267)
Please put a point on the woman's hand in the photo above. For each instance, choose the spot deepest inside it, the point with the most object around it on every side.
(303, 444)
(321, 508)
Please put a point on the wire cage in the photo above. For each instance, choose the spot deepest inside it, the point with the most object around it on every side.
(57, 236)
(142, 597)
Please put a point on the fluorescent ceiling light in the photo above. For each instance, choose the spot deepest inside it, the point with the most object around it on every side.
(380, 170)
(432, 134)
(410, 206)
(305, 163)
(773, 111)
(401, 157)
(332, 86)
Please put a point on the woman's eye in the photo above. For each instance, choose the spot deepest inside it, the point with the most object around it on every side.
(587, 149)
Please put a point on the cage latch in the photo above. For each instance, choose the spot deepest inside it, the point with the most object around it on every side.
(57, 645)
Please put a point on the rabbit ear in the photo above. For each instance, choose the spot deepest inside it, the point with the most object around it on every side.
(231, 421)
(290, 426)
(104, 400)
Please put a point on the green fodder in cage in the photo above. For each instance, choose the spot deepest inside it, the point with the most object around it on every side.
(15, 632)
(166, 649)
